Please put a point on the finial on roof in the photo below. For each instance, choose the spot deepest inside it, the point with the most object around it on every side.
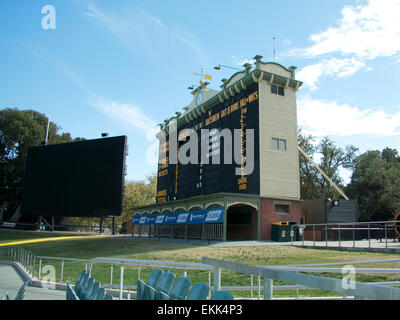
(258, 58)
(247, 66)
(293, 70)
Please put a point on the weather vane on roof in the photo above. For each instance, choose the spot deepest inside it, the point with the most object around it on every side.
(206, 76)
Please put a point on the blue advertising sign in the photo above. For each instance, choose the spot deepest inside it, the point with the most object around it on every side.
(160, 219)
(194, 217)
(170, 218)
(151, 220)
(214, 216)
(143, 220)
(182, 218)
(135, 220)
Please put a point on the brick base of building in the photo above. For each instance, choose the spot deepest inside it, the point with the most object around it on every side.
(269, 215)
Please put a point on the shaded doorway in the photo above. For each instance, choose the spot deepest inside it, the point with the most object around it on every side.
(241, 223)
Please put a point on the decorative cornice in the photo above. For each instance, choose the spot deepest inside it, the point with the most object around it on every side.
(249, 77)
(271, 80)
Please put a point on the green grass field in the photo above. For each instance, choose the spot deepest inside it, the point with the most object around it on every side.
(19, 235)
(175, 251)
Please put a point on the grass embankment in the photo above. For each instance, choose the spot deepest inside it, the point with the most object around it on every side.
(176, 251)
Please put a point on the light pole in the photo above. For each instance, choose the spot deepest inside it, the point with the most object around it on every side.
(218, 67)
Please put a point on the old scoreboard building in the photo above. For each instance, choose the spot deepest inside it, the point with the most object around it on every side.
(255, 182)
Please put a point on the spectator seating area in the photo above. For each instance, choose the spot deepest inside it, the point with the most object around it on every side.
(160, 286)
(20, 294)
(86, 288)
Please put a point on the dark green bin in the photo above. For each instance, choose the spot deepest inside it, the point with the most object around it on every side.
(281, 232)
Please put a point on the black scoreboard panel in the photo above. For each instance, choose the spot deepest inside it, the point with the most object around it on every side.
(77, 179)
(178, 181)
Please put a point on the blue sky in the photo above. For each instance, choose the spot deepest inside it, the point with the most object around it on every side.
(137, 59)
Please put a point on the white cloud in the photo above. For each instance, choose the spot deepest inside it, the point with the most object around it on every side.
(330, 118)
(127, 113)
(363, 33)
(340, 68)
(366, 32)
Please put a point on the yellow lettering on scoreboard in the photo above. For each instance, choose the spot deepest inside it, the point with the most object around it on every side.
(162, 200)
(164, 147)
(163, 173)
(212, 119)
(239, 105)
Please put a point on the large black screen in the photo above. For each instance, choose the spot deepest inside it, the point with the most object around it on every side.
(78, 179)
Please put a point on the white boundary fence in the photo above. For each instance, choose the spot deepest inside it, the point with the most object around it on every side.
(264, 275)
(371, 235)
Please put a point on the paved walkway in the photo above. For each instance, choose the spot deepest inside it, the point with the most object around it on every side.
(374, 245)
(11, 281)
(229, 244)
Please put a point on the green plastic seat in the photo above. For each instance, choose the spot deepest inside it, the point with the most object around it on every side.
(6, 296)
(22, 291)
(68, 291)
(80, 277)
(221, 295)
(93, 291)
(151, 293)
(71, 295)
(154, 277)
(180, 288)
(84, 292)
(198, 292)
(108, 297)
(81, 284)
(100, 294)
(165, 283)
(163, 296)
(74, 296)
(142, 288)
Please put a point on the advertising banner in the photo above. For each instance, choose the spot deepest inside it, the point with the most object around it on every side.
(193, 217)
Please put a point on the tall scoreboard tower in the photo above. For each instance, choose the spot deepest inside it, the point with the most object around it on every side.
(262, 98)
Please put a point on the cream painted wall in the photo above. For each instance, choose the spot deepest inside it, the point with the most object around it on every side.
(279, 170)
(275, 69)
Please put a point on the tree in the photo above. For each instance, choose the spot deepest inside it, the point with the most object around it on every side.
(139, 193)
(375, 184)
(19, 131)
(312, 184)
(308, 173)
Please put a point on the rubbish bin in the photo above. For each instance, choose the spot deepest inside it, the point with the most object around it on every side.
(281, 231)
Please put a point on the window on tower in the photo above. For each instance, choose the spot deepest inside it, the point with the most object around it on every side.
(278, 144)
(279, 90)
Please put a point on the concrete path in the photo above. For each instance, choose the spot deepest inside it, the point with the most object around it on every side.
(11, 281)
(372, 245)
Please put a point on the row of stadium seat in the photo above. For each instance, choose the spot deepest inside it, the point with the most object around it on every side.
(86, 288)
(159, 287)
(20, 294)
